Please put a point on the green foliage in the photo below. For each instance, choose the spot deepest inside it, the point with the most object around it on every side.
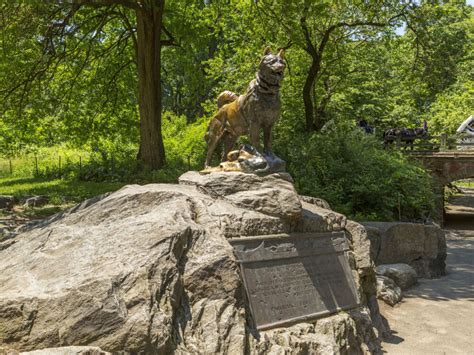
(45, 162)
(357, 177)
(84, 102)
(452, 107)
(184, 142)
(77, 87)
(113, 160)
(116, 160)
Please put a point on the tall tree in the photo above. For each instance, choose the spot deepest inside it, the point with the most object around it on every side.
(321, 26)
(149, 43)
(148, 33)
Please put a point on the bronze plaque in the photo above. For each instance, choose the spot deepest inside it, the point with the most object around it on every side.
(293, 278)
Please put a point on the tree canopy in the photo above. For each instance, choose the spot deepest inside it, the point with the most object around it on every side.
(71, 70)
(146, 73)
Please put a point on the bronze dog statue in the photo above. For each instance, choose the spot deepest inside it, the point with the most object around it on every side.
(259, 108)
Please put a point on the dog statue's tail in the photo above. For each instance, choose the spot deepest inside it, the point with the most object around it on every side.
(226, 97)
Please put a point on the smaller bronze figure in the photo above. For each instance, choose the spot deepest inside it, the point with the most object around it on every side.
(248, 160)
(259, 108)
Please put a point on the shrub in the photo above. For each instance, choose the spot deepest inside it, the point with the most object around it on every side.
(356, 176)
(115, 160)
(344, 166)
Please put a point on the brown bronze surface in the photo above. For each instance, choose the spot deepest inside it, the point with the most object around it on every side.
(293, 278)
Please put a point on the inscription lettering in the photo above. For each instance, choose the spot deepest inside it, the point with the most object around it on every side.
(287, 287)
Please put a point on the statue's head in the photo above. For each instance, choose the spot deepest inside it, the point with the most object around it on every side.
(272, 66)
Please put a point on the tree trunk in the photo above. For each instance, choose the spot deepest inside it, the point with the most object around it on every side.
(149, 22)
(320, 109)
(307, 89)
(319, 118)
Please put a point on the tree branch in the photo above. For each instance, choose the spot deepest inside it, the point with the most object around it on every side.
(170, 41)
(136, 5)
(131, 29)
(309, 47)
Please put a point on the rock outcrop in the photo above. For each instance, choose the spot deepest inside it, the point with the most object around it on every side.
(67, 350)
(149, 269)
(36, 201)
(421, 246)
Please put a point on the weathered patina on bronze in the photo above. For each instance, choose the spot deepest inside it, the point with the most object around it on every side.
(258, 109)
(248, 160)
(297, 277)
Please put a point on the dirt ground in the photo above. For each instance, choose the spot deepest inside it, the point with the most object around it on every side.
(437, 316)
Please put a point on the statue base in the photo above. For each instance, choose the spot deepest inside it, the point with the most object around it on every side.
(249, 160)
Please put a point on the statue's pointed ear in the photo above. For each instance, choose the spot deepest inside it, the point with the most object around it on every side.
(281, 53)
(267, 50)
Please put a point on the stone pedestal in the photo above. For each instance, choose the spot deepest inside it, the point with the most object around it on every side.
(150, 269)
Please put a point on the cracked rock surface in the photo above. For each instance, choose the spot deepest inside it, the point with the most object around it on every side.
(149, 269)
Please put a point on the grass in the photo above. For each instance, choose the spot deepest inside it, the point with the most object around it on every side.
(36, 173)
(62, 193)
(58, 190)
(41, 160)
(465, 183)
(69, 175)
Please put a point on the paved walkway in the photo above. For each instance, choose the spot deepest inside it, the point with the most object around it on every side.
(437, 316)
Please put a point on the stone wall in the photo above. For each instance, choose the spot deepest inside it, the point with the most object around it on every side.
(421, 246)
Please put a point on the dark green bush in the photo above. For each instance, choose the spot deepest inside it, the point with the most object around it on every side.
(357, 176)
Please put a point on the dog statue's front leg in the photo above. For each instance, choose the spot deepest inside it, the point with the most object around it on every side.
(254, 135)
(211, 146)
(267, 139)
(229, 142)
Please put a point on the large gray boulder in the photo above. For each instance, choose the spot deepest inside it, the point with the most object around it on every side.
(149, 269)
(421, 246)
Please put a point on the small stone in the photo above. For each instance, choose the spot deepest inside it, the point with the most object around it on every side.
(403, 274)
(388, 291)
(6, 201)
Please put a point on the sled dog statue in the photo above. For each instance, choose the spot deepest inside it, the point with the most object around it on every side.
(248, 114)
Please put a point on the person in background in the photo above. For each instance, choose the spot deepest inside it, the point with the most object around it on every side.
(365, 126)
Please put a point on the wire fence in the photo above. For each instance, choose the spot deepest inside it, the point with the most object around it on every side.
(97, 166)
(36, 165)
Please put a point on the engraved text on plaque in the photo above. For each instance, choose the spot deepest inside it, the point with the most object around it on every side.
(291, 278)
